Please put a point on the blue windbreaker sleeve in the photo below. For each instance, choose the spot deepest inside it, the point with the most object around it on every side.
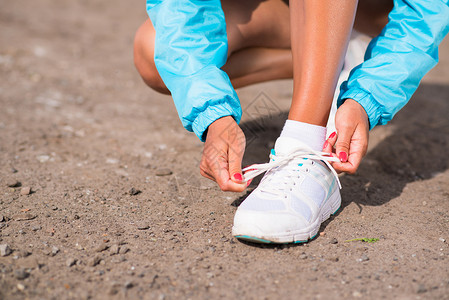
(191, 46)
(397, 60)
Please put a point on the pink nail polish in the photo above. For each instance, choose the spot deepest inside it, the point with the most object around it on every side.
(343, 156)
(249, 182)
(326, 143)
(333, 134)
(238, 176)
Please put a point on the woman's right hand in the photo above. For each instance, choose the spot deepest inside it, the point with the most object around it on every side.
(223, 153)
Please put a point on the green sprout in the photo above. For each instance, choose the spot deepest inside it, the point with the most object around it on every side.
(366, 240)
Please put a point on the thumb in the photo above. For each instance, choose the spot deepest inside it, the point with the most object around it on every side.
(235, 165)
(343, 143)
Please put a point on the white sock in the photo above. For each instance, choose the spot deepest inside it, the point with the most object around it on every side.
(312, 135)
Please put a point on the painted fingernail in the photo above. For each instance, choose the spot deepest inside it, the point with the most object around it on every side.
(333, 134)
(249, 182)
(343, 156)
(238, 176)
(326, 143)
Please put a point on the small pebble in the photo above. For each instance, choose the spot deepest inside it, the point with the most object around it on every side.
(25, 191)
(5, 250)
(70, 262)
(421, 289)
(129, 285)
(24, 253)
(13, 170)
(363, 258)
(13, 183)
(322, 233)
(21, 274)
(163, 172)
(442, 240)
(94, 261)
(134, 191)
(123, 250)
(54, 251)
(2, 219)
(333, 241)
(334, 258)
(20, 287)
(143, 226)
(36, 228)
(101, 247)
(24, 217)
(114, 249)
(356, 294)
(303, 256)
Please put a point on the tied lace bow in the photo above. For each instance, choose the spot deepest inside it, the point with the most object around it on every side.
(302, 152)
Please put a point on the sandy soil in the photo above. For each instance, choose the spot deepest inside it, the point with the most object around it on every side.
(117, 207)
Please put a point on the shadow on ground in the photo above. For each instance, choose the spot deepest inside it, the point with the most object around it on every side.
(417, 149)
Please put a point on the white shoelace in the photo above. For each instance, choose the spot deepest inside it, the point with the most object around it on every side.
(299, 153)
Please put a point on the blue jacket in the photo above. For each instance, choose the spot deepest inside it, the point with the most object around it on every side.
(191, 47)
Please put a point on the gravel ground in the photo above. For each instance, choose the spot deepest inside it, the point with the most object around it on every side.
(101, 197)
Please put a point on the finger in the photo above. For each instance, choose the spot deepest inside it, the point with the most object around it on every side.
(207, 175)
(330, 142)
(235, 163)
(343, 142)
(346, 167)
(220, 172)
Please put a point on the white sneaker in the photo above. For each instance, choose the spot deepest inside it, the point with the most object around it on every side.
(299, 191)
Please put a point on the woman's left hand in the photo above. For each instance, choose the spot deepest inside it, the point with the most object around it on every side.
(350, 143)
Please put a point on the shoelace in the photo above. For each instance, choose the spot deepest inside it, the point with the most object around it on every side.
(301, 152)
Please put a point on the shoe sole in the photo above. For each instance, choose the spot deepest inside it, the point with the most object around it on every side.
(331, 207)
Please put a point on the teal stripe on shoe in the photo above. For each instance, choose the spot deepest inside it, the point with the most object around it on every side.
(254, 239)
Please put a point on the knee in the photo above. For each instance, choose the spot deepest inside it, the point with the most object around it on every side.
(143, 58)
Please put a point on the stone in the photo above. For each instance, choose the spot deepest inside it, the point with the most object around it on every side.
(333, 241)
(123, 250)
(24, 217)
(134, 191)
(421, 289)
(363, 258)
(36, 228)
(24, 253)
(94, 261)
(12, 183)
(21, 274)
(114, 249)
(143, 226)
(54, 250)
(102, 247)
(5, 250)
(163, 172)
(25, 191)
(70, 262)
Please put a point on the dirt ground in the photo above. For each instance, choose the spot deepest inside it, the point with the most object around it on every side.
(117, 208)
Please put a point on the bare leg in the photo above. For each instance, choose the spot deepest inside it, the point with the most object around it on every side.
(318, 55)
(259, 40)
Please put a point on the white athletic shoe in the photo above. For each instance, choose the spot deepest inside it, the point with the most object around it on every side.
(299, 191)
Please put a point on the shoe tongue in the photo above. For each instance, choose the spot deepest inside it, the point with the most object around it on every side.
(285, 145)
